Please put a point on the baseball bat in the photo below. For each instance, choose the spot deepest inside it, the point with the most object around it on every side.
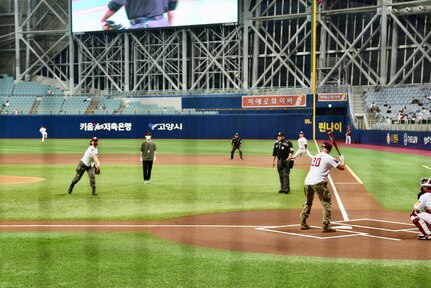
(332, 138)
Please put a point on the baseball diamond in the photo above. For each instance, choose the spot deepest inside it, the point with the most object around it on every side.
(364, 229)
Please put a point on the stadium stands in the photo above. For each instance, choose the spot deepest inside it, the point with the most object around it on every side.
(75, 105)
(409, 105)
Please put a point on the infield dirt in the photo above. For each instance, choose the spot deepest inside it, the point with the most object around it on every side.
(364, 231)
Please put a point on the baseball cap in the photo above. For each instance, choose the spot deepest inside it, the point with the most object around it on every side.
(280, 134)
(300, 132)
(94, 138)
(236, 134)
(148, 133)
(327, 145)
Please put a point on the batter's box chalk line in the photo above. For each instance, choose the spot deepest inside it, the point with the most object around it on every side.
(347, 227)
(274, 229)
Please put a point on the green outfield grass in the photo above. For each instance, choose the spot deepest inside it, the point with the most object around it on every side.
(174, 191)
(140, 260)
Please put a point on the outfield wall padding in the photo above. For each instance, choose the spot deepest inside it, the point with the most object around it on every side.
(176, 126)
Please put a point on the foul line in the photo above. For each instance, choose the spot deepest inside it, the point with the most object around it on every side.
(427, 167)
(354, 175)
(124, 225)
(337, 196)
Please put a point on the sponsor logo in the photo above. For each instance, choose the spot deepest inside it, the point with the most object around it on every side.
(115, 126)
(394, 138)
(427, 140)
(330, 126)
(254, 101)
(410, 139)
(166, 126)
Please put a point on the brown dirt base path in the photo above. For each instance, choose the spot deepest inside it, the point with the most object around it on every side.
(365, 230)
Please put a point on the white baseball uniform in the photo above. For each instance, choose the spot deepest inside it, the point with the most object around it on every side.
(302, 143)
(321, 164)
(42, 131)
(424, 205)
(87, 159)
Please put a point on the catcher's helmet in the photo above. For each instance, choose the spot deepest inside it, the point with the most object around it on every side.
(426, 182)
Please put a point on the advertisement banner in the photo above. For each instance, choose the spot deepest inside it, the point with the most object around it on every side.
(273, 101)
(325, 97)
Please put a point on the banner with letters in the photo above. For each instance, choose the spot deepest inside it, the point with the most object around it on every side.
(274, 101)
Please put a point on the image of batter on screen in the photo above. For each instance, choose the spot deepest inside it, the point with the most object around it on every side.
(43, 132)
(302, 147)
(236, 143)
(90, 163)
(421, 214)
(141, 13)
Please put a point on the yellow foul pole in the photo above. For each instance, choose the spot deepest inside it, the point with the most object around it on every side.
(313, 63)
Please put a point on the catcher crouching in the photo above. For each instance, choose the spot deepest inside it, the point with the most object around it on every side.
(421, 214)
(90, 163)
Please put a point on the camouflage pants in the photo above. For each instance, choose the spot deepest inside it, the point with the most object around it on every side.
(321, 189)
(80, 170)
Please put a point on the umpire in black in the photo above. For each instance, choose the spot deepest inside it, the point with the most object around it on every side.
(283, 151)
(236, 143)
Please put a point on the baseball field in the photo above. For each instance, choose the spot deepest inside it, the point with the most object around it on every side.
(204, 220)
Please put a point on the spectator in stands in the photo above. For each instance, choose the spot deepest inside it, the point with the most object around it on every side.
(386, 104)
(388, 120)
(88, 99)
(16, 112)
(428, 97)
(377, 88)
(415, 100)
(104, 107)
(414, 118)
(372, 107)
(49, 92)
(389, 110)
(400, 116)
(7, 103)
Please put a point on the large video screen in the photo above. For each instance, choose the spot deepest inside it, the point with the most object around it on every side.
(126, 15)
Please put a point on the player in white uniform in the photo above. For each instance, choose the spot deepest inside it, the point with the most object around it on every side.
(421, 215)
(302, 146)
(89, 162)
(315, 182)
(42, 131)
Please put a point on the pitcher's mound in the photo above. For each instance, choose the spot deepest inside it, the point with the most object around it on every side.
(4, 179)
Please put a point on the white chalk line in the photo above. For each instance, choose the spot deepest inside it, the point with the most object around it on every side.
(427, 167)
(337, 196)
(341, 226)
(344, 226)
(124, 226)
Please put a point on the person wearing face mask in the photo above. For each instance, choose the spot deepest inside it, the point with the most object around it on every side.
(148, 157)
(90, 163)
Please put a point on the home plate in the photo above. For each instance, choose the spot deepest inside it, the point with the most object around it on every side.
(342, 227)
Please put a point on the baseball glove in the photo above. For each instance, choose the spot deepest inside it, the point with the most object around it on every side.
(111, 25)
(97, 170)
(291, 163)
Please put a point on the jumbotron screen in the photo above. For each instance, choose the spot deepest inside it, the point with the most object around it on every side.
(126, 15)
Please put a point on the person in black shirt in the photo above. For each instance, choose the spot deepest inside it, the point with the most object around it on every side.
(283, 151)
(142, 13)
(236, 143)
